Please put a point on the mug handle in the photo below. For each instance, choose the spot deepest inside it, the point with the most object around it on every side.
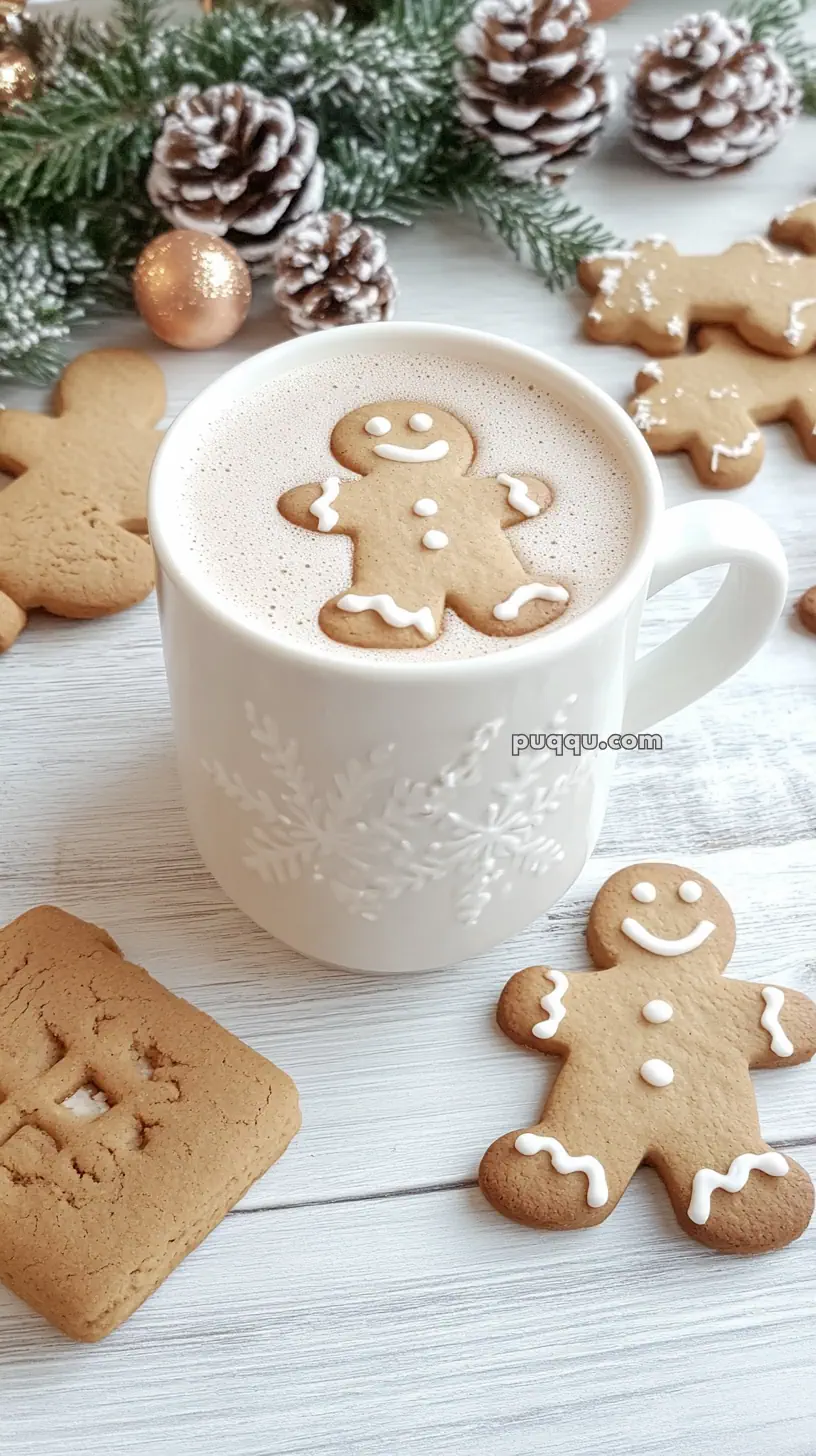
(734, 624)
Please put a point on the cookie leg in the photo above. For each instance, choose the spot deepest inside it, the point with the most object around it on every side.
(803, 419)
(509, 603)
(12, 621)
(712, 425)
(560, 1174)
(93, 570)
(739, 1202)
(778, 324)
(370, 616)
(727, 454)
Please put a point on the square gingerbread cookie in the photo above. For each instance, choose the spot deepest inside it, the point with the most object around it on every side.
(130, 1123)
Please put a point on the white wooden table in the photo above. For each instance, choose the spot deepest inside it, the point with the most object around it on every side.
(364, 1298)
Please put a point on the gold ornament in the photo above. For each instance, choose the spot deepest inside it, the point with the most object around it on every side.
(11, 14)
(192, 290)
(18, 77)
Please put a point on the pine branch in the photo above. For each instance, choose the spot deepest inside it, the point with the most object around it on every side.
(91, 130)
(382, 91)
(393, 183)
(768, 17)
(395, 71)
(777, 21)
(542, 227)
(49, 278)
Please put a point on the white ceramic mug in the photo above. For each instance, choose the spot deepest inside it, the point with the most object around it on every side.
(371, 813)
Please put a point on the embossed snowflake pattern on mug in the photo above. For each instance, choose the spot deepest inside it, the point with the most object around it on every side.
(372, 837)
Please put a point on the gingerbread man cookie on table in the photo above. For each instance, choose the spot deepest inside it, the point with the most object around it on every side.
(651, 295)
(712, 402)
(73, 523)
(657, 1051)
(426, 534)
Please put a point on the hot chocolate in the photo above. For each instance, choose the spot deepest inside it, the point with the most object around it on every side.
(242, 551)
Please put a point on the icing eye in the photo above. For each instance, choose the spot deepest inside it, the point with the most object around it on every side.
(644, 892)
(690, 891)
(420, 422)
(378, 425)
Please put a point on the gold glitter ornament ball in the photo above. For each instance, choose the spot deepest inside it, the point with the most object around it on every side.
(192, 290)
(18, 77)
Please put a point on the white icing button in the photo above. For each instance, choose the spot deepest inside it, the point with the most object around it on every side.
(644, 892)
(690, 891)
(434, 540)
(420, 422)
(657, 1073)
(425, 507)
(657, 1011)
(377, 425)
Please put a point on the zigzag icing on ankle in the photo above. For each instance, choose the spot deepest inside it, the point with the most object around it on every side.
(529, 1143)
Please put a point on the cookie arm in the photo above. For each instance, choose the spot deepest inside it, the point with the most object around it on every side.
(797, 227)
(534, 1009)
(24, 439)
(12, 621)
(318, 507)
(515, 497)
(776, 1026)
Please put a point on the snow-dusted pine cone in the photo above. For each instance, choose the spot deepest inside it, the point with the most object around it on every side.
(534, 83)
(704, 96)
(235, 164)
(331, 270)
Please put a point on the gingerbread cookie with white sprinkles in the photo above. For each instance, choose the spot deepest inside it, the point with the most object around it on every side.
(426, 533)
(657, 1054)
(651, 295)
(712, 403)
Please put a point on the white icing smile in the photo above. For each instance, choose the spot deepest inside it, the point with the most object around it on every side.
(404, 455)
(638, 933)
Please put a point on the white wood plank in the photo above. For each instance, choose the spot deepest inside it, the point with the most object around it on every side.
(386, 1069)
(432, 1325)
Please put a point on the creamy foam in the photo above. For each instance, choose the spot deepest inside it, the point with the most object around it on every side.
(231, 538)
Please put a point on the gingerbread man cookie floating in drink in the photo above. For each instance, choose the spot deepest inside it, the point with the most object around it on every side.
(657, 1052)
(426, 534)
